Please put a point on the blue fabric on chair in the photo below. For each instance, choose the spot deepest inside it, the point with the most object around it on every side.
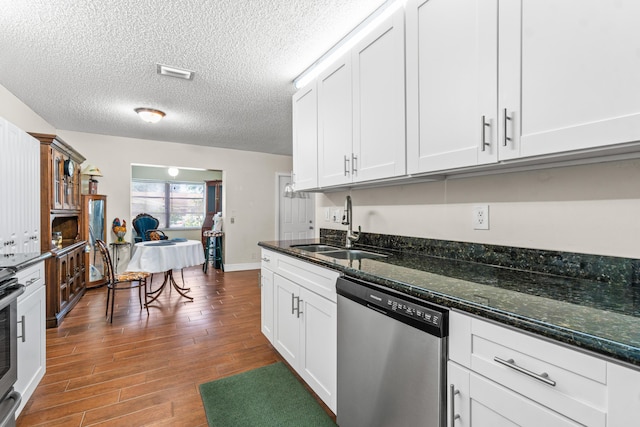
(142, 224)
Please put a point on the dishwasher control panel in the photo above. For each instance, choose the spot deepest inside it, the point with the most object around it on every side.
(405, 308)
(422, 315)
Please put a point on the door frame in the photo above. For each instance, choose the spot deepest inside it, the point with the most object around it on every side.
(277, 206)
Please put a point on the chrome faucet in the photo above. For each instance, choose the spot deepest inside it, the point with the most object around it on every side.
(347, 220)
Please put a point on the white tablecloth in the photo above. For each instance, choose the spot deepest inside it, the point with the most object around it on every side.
(158, 259)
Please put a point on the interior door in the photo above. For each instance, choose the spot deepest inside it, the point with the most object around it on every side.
(296, 215)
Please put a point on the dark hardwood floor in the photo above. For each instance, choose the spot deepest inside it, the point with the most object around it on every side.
(145, 370)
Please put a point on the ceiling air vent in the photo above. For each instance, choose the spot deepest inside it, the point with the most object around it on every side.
(181, 73)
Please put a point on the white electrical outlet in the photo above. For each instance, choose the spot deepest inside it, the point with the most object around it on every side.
(480, 218)
(327, 214)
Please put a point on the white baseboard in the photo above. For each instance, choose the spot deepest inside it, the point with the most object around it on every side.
(242, 267)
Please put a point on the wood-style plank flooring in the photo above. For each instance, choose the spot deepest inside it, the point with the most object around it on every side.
(145, 370)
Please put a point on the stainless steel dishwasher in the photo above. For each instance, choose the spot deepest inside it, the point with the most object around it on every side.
(391, 358)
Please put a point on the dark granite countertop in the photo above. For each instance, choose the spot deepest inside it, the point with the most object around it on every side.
(603, 318)
(20, 261)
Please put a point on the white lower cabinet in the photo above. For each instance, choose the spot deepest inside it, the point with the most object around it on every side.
(303, 309)
(498, 377)
(266, 302)
(31, 333)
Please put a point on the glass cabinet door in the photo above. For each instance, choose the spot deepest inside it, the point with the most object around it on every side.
(94, 210)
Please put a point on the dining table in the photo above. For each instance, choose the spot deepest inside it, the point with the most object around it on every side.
(164, 256)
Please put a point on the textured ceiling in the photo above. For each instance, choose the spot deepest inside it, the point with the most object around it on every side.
(85, 65)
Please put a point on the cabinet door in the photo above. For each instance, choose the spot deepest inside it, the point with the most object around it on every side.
(318, 346)
(14, 189)
(335, 124)
(57, 184)
(266, 303)
(31, 195)
(378, 102)
(577, 87)
(31, 343)
(305, 138)
(458, 399)
(624, 395)
(94, 227)
(451, 84)
(64, 276)
(494, 406)
(286, 329)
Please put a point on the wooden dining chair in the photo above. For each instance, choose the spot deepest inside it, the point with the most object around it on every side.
(117, 282)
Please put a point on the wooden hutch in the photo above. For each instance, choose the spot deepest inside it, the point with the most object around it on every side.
(61, 210)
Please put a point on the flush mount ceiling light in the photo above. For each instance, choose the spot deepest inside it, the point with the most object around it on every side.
(173, 171)
(149, 114)
(180, 73)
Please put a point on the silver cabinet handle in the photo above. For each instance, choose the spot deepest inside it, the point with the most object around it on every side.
(293, 306)
(299, 311)
(24, 329)
(346, 166)
(452, 410)
(544, 377)
(354, 168)
(265, 259)
(506, 119)
(483, 142)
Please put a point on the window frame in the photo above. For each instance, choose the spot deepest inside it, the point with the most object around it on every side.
(166, 215)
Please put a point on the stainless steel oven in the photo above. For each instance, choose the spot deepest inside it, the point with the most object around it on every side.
(10, 290)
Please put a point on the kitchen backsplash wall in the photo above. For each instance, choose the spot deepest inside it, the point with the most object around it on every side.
(589, 209)
(611, 270)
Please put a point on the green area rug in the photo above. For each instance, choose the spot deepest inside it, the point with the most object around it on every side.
(267, 396)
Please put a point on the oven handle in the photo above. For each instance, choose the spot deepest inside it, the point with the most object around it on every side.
(17, 397)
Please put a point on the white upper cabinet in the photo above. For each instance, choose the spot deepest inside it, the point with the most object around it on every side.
(305, 138)
(451, 84)
(335, 124)
(379, 143)
(20, 213)
(497, 80)
(361, 120)
(570, 69)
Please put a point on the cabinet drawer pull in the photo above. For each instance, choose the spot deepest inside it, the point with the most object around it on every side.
(544, 377)
(265, 259)
(483, 142)
(506, 119)
(452, 410)
(346, 166)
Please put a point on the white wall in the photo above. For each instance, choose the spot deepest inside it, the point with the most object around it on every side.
(249, 178)
(587, 209)
(249, 189)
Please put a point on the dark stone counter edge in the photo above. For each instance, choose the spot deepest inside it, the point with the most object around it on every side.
(615, 351)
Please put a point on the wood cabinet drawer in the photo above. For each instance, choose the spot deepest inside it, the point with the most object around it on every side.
(565, 380)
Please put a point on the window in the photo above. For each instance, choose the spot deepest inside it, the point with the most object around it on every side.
(175, 204)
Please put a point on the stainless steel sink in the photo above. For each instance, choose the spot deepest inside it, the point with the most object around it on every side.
(338, 253)
(352, 254)
(315, 248)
